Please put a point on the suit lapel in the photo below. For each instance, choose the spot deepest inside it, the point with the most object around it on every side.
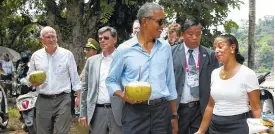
(181, 55)
(97, 67)
(203, 56)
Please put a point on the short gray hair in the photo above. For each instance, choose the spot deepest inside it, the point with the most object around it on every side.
(108, 28)
(42, 32)
(147, 10)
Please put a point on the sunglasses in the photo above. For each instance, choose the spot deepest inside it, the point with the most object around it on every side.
(105, 38)
(159, 21)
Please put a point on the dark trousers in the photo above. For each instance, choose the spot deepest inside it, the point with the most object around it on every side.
(235, 124)
(146, 119)
(189, 119)
(53, 113)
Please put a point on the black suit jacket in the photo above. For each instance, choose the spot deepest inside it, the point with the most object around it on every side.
(208, 63)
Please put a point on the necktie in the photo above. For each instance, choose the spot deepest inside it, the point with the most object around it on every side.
(192, 70)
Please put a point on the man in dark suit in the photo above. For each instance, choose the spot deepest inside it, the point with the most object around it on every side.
(193, 65)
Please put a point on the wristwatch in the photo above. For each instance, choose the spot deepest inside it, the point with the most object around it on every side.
(175, 116)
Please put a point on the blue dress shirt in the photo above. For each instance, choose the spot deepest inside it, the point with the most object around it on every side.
(156, 68)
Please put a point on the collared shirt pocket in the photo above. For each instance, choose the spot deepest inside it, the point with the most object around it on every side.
(60, 69)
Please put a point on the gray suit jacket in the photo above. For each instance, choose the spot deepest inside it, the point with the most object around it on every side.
(208, 63)
(89, 91)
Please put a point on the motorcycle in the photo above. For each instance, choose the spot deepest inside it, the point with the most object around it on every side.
(267, 104)
(26, 105)
(266, 96)
(3, 105)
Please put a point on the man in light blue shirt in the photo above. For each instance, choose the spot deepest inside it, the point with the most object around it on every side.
(154, 58)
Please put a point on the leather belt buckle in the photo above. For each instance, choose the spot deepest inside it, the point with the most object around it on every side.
(156, 101)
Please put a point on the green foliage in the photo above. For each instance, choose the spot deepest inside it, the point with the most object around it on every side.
(107, 8)
(13, 112)
(229, 25)
(208, 13)
(264, 38)
(76, 21)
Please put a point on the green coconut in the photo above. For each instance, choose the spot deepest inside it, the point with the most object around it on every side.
(37, 77)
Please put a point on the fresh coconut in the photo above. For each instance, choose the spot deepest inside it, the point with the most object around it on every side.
(37, 77)
(138, 90)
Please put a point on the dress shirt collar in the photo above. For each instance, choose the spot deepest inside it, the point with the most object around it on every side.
(112, 55)
(55, 52)
(134, 41)
(196, 50)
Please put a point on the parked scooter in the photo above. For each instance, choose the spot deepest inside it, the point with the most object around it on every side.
(26, 105)
(3, 105)
(266, 97)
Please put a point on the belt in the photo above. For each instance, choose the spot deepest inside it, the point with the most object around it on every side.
(155, 101)
(190, 104)
(52, 96)
(106, 105)
(233, 117)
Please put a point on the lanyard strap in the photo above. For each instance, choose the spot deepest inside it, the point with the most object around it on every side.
(197, 66)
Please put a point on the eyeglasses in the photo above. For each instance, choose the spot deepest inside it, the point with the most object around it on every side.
(104, 37)
(159, 21)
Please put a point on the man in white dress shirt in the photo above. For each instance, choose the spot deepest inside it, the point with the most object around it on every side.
(98, 110)
(53, 105)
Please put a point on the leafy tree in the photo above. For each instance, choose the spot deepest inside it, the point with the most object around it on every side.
(264, 39)
(210, 13)
(76, 21)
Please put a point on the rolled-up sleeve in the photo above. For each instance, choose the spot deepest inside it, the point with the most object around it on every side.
(171, 78)
(73, 73)
(116, 69)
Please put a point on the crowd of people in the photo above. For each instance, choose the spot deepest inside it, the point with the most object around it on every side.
(194, 89)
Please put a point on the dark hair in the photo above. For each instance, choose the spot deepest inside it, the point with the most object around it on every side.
(188, 23)
(232, 40)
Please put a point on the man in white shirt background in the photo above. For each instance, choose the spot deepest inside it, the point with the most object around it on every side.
(53, 105)
(8, 70)
(98, 110)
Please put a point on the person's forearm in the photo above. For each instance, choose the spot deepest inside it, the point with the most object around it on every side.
(173, 106)
(257, 113)
(207, 117)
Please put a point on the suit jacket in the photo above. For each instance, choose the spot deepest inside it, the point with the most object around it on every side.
(208, 63)
(89, 91)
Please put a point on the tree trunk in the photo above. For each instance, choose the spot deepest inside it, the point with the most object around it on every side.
(251, 34)
(74, 30)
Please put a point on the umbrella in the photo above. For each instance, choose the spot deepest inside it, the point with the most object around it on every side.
(14, 56)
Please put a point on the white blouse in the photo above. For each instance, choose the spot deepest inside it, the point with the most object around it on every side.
(231, 95)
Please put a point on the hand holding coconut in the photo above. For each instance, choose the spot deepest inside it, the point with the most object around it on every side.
(136, 92)
(37, 78)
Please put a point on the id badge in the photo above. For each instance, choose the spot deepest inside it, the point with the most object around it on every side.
(192, 80)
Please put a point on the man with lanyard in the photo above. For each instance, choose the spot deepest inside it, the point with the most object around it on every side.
(193, 65)
(145, 52)
(53, 105)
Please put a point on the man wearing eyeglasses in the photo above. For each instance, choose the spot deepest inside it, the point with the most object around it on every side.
(153, 57)
(193, 64)
(98, 110)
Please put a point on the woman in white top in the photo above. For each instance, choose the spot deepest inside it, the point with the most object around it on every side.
(234, 91)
